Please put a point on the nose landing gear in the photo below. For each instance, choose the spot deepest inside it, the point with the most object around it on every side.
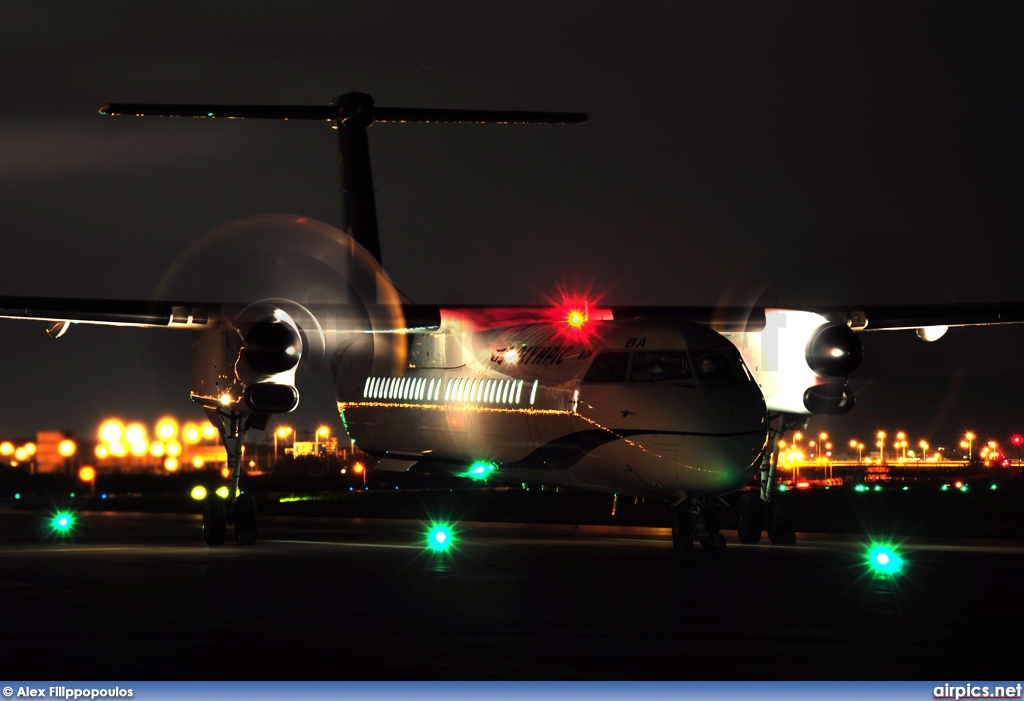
(695, 519)
(237, 509)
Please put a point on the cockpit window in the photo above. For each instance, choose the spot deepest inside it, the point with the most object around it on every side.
(655, 366)
(608, 367)
(718, 367)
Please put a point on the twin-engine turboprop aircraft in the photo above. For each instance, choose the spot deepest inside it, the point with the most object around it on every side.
(683, 404)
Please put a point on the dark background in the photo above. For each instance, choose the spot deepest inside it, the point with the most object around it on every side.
(784, 152)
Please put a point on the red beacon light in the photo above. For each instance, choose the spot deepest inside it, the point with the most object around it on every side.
(576, 319)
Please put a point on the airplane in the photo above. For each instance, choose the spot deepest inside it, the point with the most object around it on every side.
(681, 403)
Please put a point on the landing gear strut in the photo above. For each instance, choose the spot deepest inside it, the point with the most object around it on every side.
(237, 509)
(767, 509)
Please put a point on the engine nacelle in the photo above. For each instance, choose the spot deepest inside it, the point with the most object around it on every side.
(834, 351)
(828, 399)
(801, 360)
(247, 363)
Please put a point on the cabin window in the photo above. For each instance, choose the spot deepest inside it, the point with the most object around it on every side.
(718, 367)
(608, 367)
(658, 366)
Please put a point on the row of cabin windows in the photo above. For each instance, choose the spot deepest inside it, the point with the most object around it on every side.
(656, 366)
(475, 390)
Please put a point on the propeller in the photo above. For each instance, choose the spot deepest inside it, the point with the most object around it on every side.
(288, 291)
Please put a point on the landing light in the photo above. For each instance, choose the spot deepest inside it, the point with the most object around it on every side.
(223, 492)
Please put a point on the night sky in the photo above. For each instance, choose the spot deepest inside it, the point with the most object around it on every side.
(788, 153)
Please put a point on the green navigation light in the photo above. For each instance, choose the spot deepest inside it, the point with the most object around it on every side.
(479, 470)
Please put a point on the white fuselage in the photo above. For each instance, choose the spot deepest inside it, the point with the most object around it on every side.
(542, 402)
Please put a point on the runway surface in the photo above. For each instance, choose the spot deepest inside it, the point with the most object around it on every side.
(138, 596)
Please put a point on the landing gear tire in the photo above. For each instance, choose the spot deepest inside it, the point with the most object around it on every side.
(682, 531)
(215, 521)
(245, 519)
(750, 518)
(779, 521)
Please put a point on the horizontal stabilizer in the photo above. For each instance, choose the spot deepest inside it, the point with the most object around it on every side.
(339, 112)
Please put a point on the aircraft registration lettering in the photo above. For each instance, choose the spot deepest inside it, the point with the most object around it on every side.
(636, 342)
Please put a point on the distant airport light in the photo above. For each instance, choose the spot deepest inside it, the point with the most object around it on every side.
(173, 449)
(171, 464)
(111, 431)
(20, 454)
(358, 468)
(166, 428)
(198, 461)
(209, 430)
(199, 493)
(6, 448)
(190, 433)
(30, 448)
(87, 473)
(67, 448)
(102, 451)
(157, 450)
(135, 433)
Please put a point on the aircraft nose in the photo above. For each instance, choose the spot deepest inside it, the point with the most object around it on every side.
(729, 438)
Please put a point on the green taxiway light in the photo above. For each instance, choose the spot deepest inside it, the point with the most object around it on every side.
(440, 538)
(883, 560)
(861, 488)
(62, 522)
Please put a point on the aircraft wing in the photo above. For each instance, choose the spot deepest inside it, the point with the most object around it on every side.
(110, 312)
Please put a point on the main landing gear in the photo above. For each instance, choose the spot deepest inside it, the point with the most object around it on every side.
(237, 509)
(765, 509)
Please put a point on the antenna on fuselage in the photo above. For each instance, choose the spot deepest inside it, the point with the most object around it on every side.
(353, 113)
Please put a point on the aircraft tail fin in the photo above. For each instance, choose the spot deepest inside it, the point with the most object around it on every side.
(352, 114)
